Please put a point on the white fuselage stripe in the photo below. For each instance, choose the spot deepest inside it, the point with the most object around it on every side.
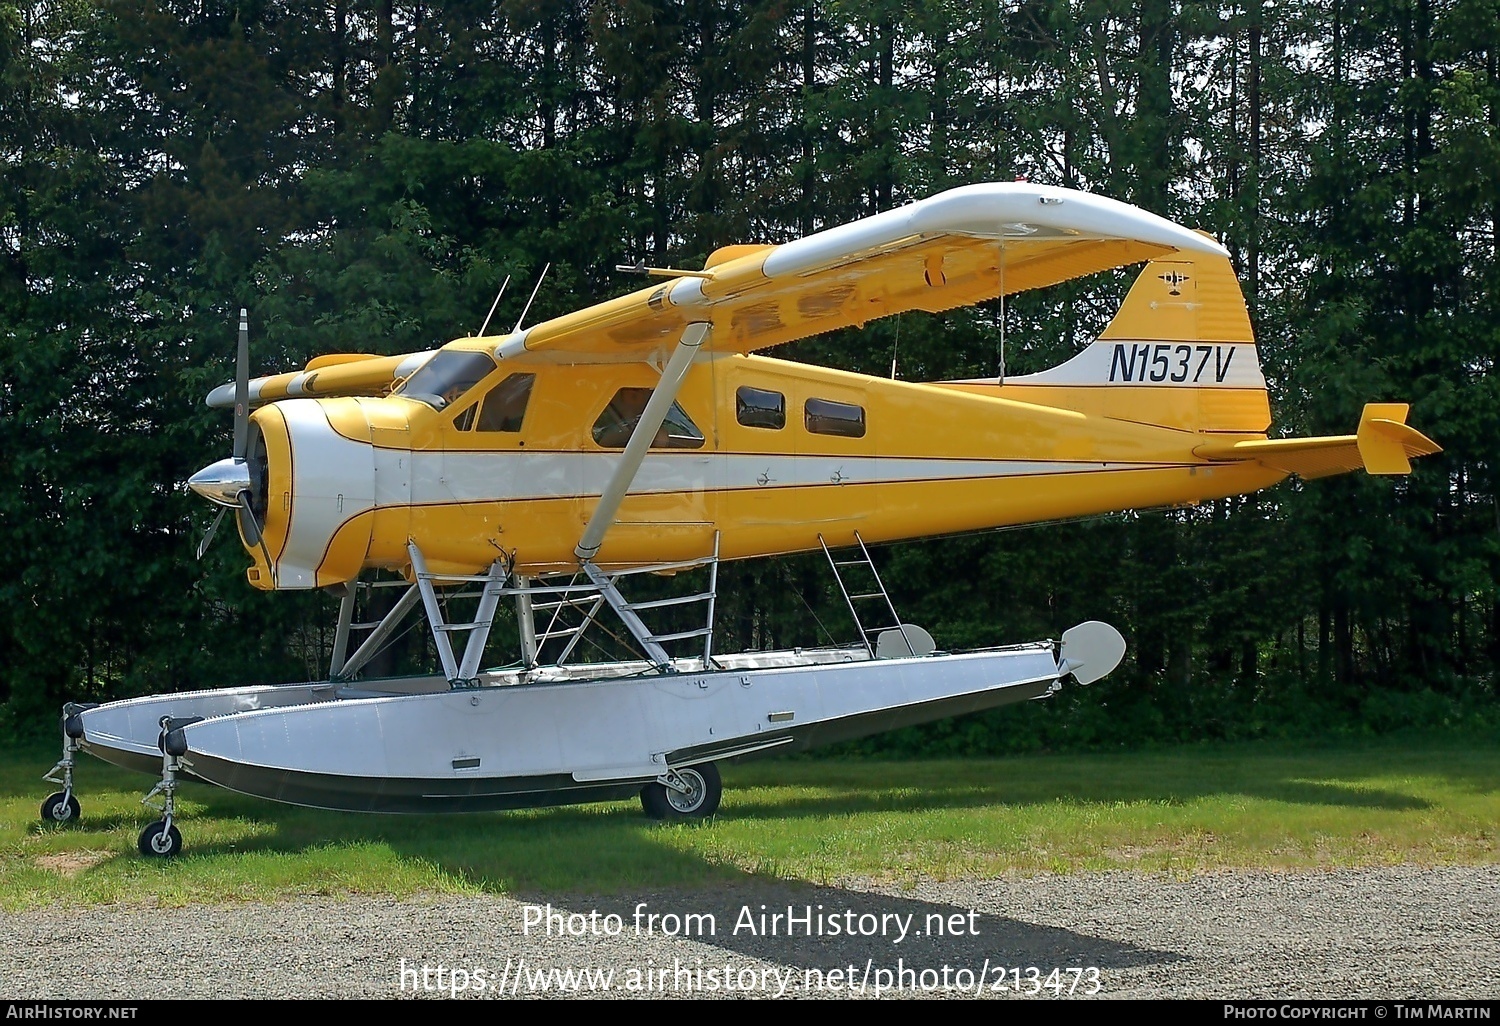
(335, 478)
(506, 477)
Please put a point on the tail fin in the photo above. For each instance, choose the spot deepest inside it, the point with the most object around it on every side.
(1179, 353)
(1386, 444)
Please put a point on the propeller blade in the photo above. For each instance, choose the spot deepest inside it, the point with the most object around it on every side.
(248, 524)
(242, 389)
(209, 536)
(253, 534)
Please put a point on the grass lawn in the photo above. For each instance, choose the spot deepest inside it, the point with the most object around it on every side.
(1429, 800)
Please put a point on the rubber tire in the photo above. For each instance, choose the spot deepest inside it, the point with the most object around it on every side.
(56, 810)
(156, 844)
(671, 806)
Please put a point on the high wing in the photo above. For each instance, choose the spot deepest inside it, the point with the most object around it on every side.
(955, 249)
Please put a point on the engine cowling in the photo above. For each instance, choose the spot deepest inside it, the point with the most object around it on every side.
(320, 493)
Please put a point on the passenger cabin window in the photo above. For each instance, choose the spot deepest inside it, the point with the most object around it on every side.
(758, 408)
(446, 377)
(505, 406)
(614, 426)
(826, 417)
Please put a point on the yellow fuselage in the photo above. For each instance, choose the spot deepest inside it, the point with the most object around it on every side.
(932, 459)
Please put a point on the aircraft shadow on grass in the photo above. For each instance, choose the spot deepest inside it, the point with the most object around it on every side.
(499, 853)
(297, 828)
(725, 909)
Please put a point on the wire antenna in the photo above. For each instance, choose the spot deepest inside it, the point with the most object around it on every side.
(1002, 312)
(496, 303)
(534, 291)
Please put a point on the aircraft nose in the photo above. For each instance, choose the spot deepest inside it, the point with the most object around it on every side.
(222, 482)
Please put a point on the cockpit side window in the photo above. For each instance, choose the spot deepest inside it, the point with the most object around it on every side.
(446, 377)
(505, 405)
(614, 426)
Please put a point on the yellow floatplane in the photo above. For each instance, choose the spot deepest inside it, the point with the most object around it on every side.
(550, 464)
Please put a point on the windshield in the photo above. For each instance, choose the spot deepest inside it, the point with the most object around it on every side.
(446, 377)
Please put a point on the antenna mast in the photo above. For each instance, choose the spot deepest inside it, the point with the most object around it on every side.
(534, 291)
(496, 303)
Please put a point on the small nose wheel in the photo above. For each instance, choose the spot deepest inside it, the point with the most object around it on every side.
(160, 840)
(60, 807)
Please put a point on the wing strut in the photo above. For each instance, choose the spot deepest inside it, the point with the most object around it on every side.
(652, 416)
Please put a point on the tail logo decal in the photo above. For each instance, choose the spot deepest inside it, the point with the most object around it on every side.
(1174, 279)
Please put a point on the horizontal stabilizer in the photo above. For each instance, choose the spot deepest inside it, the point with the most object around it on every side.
(1384, 444)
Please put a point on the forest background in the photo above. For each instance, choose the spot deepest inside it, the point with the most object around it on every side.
(362, 175)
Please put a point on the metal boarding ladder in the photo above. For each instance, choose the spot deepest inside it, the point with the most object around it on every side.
(462, 671)
(871, 590)
(347, 626)
(589, 598)
(344, 665)
(571, 596)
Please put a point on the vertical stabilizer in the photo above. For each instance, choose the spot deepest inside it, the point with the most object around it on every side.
(1179, 353)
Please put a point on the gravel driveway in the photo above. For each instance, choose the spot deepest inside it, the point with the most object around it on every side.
(1393, 933)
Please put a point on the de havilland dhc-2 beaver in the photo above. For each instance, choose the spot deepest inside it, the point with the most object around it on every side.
(551, 465)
